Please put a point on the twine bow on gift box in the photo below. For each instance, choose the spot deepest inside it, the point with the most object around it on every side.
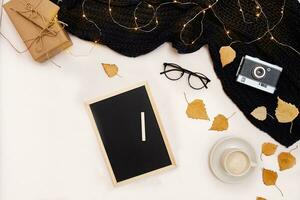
(47, 29)
(38, 41)
(29, 8)
(38, 27)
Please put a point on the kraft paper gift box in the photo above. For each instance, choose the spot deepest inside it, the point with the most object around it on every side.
(36, 23)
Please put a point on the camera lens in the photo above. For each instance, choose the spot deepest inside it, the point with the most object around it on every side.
(259, 72)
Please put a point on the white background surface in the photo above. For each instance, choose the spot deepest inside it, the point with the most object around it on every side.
(48, 150)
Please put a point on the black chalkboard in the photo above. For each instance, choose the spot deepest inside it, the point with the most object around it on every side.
(130, 148)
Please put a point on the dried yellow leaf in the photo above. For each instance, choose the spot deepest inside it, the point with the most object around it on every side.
(268, 149)
(260, 113)
(260, 198)
(196, 110)
(220, 123)
(110, 69)
(285, 112)
(227, 55)
(286, 161)
(269, 177)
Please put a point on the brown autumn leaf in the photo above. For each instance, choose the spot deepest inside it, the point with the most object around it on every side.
(110, 69)
(220, 123)
(227, 55)
(268, 149)
(260, 198)
(196, 110)
(286, 161)
(285, 112)
(260, 113)
(269, 177)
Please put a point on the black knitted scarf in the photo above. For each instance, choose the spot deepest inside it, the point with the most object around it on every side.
(172, 17)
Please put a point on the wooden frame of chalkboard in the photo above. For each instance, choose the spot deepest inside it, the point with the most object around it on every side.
(166, 154)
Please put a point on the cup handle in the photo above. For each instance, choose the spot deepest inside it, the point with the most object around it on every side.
(253, 164)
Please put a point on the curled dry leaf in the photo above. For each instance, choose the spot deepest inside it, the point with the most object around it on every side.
(269, 177)
(196, 110)
(110, 69)
(285, 112)
(286, 161)
(268, 149)
(260, 113)
(220, 123)
(227, 55)
(260, 198)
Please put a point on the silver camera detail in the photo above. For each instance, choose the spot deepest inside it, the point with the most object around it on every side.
(258, 74)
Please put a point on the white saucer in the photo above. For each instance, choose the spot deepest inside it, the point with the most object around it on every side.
(216, 155)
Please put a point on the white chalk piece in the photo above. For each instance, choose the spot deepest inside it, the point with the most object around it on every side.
(149, 154)
(143, 126)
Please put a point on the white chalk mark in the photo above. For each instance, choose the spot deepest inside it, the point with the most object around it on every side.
(143, 126)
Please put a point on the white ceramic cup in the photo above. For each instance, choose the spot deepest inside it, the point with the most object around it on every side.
(236, 162)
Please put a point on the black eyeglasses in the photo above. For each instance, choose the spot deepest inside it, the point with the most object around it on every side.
(196, 80)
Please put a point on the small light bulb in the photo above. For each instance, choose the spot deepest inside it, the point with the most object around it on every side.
(184, 25)
(209, 6)
(149, 5)
(135, 28)
(203, 11)
(272, 38)
(156, 21)
(135, 18)
(109, 9)
(257, 14)
(227, 32)
(257, 7)
(175, 1)
(241, 10)
(83, 15)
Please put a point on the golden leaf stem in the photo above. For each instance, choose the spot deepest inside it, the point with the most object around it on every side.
(294, 149)
(270, 116)
(232, 115)
(261, 156)
(279, 190)
(186, 98)
(291, 127)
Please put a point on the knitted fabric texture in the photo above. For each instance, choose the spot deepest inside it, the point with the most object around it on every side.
(171, 19)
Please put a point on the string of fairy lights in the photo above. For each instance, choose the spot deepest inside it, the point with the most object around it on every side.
(153, 22)
(90, 21)
(257, 14)
(268, 29)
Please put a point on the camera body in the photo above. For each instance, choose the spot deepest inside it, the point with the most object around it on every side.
(258, 74)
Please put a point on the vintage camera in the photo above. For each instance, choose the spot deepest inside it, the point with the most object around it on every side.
(258, 74)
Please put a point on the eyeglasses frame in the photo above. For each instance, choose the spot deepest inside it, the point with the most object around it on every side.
(178, 68)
